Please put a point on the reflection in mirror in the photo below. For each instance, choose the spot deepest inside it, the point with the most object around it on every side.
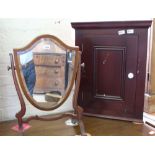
(46, 69)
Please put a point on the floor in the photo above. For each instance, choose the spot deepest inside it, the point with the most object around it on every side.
(94, 126)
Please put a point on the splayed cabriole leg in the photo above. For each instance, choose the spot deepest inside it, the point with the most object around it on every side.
(78, 109)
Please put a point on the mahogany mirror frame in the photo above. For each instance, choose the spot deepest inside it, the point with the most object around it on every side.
(22, 91)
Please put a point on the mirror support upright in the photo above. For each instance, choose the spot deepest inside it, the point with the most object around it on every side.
(22, 111)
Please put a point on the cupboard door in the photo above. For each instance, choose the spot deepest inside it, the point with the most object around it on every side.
(109, 77)
(114, 68)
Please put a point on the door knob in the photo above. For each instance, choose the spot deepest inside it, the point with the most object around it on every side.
(83, 65)
(130, 75)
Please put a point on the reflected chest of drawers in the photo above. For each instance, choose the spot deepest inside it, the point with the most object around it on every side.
(50, 72)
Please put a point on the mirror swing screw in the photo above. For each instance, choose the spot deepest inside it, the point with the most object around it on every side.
(8, 68)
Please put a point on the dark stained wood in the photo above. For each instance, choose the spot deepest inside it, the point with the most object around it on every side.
(109, 57)
(112, 24)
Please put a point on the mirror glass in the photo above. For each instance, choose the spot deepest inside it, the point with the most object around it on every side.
(46, 68)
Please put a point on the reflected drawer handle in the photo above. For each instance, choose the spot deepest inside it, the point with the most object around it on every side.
(56, 71)
(56, 61)
(56, 83)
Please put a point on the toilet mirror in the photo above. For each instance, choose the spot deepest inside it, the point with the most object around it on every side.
(46, 70)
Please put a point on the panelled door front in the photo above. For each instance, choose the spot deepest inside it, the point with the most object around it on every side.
(109, 73)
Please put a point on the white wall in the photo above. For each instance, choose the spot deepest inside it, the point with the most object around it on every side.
(16, 33)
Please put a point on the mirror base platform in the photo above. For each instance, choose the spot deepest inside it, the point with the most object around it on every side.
(25, 126)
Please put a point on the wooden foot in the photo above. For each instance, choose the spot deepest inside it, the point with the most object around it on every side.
(23, 128)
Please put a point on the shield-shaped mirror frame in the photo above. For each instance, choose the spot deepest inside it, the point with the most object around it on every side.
(40, 105)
